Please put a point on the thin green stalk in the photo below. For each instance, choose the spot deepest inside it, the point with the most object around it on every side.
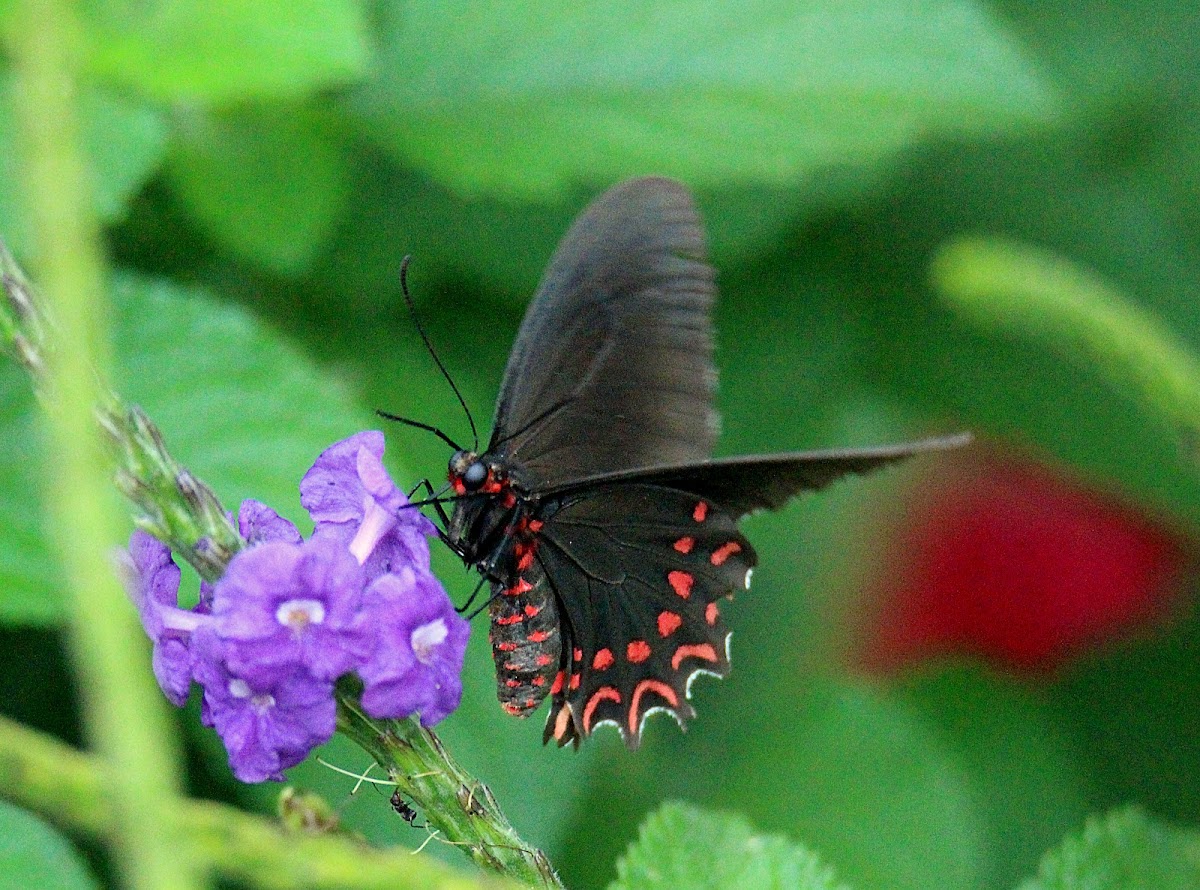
(457, 805)
(71, 789)
(125, 716)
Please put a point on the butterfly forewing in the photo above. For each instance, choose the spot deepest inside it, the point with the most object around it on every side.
(612, 367)
(742, 485)
(639, 571)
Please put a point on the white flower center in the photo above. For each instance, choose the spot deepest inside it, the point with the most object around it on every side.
(299, 614)
(427, 637)
(239, 688)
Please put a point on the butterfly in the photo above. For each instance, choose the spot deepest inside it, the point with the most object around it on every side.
(608, 532)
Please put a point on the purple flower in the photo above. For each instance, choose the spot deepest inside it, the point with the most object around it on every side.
(258, 523)
(417, 667)
(267, 727)
(349, 495)
(289, 617)
(153, 582)
(281, 606)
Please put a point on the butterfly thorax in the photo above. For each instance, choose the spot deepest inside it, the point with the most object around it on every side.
(495, 528)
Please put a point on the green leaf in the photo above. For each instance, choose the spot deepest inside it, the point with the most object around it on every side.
(1125, 850)
(186, 50)
(125, 143)
(527, 100)
(681, 847)
(1015, 287)
(32, 854)
(238, 405)
(268, 184)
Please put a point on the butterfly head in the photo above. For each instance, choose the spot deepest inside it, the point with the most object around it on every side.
(485, 500)
(470, 473)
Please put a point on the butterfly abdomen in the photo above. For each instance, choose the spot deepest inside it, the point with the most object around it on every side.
(526, 640)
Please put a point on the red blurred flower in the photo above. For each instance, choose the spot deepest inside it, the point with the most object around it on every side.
(1006, 559)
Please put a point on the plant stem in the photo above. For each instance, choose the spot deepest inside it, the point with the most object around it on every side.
(460, 807)
(125, 716)
(72, 789)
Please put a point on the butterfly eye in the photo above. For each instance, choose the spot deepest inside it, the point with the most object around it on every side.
(474, 476)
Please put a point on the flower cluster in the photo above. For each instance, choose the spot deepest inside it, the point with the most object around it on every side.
(289, 617)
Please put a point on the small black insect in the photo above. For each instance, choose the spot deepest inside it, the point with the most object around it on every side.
(607, 530)
(404, 809)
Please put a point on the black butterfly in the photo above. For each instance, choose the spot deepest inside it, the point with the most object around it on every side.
(607, 531)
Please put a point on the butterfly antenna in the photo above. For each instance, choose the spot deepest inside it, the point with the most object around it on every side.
(412, 311)
(429, 428)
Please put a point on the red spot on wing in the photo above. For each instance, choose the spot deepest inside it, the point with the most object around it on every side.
(506, 647)
(577, 655)
(510, 499)
(538, 636)
(557, 685)
(685, 544)
(562, 721)
(539, 681)
(656, 686)
(510, 619)
(725, 551)
(543, 660)
(700, 512)
(522, 586)
(638, 651)
(574, 684)
(515, 710)
(603, 660)
(668, 623)
(681, 582)
(525, 561)
(512, 684)
(531, 611)
(604, 693)
(700, 650)
(535, 525)
(711, 613)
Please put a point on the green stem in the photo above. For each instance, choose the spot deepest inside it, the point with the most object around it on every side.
(125, 716)
(458, 806)
(72, 789)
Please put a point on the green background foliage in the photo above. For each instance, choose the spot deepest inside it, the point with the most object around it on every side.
(890, 188)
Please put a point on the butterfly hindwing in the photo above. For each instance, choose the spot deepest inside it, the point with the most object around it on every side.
(638, 571)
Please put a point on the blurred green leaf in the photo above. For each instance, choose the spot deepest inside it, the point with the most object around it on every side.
(188, 50)
(1029, 777)
(30, 581)
(1017, 287)
(267, 184)
(1125, 850)
(32, 854)
(125, 142)
(684, 847)
(237, 404)
(505, 245)
(526, 101)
